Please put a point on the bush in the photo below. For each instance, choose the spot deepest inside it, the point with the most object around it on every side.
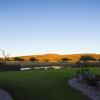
(65, 59)
(18, 59)
(87, 58)
(33, 59)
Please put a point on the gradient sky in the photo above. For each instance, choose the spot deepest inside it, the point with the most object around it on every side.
(49, 26)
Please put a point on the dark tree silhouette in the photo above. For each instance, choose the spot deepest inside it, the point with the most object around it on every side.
(33, 59)
(18, 59)
(6, 57)
(65, 59)
(87, 58)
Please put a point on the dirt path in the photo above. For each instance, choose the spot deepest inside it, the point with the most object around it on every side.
(90, 91)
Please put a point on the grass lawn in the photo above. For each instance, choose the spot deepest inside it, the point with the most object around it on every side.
(41, 85)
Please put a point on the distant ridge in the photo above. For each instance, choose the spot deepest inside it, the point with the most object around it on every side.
(57, 57)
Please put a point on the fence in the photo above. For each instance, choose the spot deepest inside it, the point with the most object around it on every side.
(9, 67)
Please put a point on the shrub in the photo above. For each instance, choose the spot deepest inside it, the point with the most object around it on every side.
(87, 58)
(64, 59)
(18, 59)
(33, 59)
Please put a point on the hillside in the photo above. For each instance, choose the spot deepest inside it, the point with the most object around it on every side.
(57, 57)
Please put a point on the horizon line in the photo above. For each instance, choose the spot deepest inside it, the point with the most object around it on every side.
(51, 54)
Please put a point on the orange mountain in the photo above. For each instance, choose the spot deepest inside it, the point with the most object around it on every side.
(57, 57)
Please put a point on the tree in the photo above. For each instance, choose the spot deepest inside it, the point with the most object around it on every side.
(65, 59)
(87, 58)
(33, 59)
(18, 59)
(6, 57)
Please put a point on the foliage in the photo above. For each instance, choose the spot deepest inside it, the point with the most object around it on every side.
(64, 59)
(18, 59)
(87, 58)
(33, 59)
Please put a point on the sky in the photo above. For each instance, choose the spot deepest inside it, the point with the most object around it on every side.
(30, 27)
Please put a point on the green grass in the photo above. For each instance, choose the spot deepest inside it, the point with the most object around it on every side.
(41, 85)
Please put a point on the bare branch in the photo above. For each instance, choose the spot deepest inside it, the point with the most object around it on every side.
(5, 56)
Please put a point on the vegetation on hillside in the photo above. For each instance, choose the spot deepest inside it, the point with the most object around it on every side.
(18, 59)
(57, 58)
(87, 58)
(33, 59)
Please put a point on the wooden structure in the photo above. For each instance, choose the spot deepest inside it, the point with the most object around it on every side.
(9, 67)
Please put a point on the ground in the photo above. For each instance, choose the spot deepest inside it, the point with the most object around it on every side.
(41, 84)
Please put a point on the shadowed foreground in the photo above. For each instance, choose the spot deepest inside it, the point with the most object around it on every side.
(40, 85)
